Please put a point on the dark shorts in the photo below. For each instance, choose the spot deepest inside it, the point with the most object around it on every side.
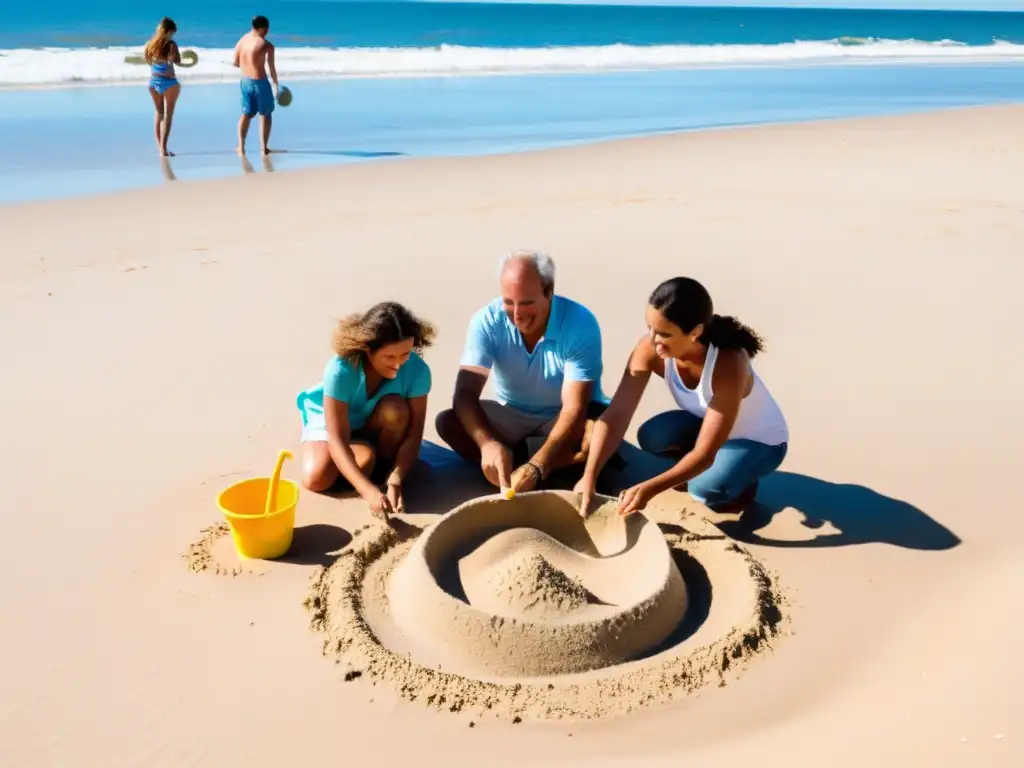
(257, 97)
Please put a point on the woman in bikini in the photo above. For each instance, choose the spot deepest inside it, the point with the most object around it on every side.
(728, 431)
(366, 417)
(161, 54)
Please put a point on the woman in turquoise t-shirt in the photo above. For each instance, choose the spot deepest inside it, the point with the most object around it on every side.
(369, 411)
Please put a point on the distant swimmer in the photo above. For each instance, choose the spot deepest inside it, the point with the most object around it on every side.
(161, 53)
(254, 56)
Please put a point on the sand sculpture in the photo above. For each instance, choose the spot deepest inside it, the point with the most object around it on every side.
(527, 587)
(518, 609)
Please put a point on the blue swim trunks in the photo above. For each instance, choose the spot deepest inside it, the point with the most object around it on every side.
(257, 97)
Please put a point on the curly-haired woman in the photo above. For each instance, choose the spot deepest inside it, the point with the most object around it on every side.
(369, 411)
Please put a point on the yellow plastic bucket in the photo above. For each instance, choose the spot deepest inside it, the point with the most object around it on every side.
(261, 513)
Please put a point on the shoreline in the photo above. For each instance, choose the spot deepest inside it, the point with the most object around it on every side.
(345, 121)
(980, 61)
(432, 162)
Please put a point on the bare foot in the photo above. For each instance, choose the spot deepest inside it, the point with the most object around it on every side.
(166, 153)
(267, 151)
(240, 151)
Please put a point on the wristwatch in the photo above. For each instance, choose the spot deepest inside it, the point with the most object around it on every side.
(537, 467)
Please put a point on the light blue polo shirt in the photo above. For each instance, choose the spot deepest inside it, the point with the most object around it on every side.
(347, 382)
(532, 382)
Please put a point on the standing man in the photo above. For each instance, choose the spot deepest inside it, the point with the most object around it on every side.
(254, 56)
(545, 353)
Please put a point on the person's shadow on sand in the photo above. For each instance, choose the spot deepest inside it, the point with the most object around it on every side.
(794, 510)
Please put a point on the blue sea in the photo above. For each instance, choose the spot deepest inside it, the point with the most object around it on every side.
(383, 79)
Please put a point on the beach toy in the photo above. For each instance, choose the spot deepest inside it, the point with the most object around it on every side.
(260, 512)
(188, 55)
(284, 96)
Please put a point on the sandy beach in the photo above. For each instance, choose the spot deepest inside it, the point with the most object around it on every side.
(155, 341)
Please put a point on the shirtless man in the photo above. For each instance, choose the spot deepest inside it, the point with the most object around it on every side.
(254, 55)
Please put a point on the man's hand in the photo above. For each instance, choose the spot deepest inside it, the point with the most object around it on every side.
(526, 478)
(635, 499)
(585, 489)
(496, 462)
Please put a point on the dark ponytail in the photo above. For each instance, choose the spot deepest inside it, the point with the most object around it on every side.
(685, 302)
(729, 333)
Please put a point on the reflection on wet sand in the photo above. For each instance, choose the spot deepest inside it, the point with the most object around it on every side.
(166, 169)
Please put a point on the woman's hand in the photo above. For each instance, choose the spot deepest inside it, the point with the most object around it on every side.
(394, 495)
(585, 489)
(379, 503)
(635, 499)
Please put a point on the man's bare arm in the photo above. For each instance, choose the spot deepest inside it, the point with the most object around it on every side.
(236, 60)
(569, 426)
(271, 64)
(469, 383)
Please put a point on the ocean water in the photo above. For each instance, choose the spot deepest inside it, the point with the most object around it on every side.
(61, 41)
(377, 79)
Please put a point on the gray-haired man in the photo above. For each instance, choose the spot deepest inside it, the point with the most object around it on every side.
(545, 354)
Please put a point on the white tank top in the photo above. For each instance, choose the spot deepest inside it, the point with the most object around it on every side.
(760, 417)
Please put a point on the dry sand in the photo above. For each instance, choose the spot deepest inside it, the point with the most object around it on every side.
(148, 368)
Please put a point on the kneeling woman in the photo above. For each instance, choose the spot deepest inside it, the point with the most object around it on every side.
(728, 431)
(368, 413)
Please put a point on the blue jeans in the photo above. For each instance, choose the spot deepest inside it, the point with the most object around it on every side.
(737, 466)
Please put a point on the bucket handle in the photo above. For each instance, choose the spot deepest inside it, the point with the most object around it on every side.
(275, 480)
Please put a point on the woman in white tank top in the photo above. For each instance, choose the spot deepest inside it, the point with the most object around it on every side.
(728, 431)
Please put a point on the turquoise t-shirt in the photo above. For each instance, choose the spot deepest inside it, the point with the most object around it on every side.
(347, 382)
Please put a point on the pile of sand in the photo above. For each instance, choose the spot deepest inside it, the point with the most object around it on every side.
(530, 585)
(521, 610)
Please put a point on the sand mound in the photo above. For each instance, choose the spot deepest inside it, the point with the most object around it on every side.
(531, 585)
(521, 610)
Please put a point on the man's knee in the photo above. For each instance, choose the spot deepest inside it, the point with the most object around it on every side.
(392, 413)
(447, 424)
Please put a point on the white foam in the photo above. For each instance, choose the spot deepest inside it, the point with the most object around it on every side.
(63, 66)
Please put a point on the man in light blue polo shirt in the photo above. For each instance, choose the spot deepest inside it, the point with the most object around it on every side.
(544, 351)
